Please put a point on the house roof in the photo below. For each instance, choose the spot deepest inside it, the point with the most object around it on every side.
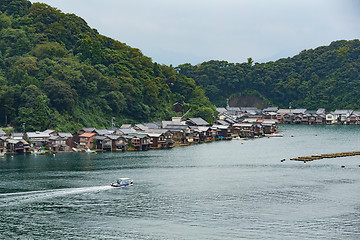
(176, 128)
(15, 134)
(140, 127)
(126, 125)
(2, 133)
(198, 121)
(222, 122)
(221, 110)
(242, 124)
(342, 112)
(153, 125)
(65, 135)
(49, 131)
(235, 109)
(154, 134)
(320, 111)
(271, 109)
(299, 111)
(284, 111)
(87, 134)
(103, 131)
(125, 130)
(37, 135)
(113, 137)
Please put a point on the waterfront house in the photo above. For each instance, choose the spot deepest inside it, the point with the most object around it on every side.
(38, 139)
(138, 141)
(288, 118)
(86, 140)
(157, 140)
(167, 134)
(354, 118)
(61, 142)
(320, 119)
(269, 126)
(245, 129)
(17, 136)
(338, 116)
(17, 146)
(331, 118)
(76, 136)
(3, 143)
(282, 112)
(299, 111)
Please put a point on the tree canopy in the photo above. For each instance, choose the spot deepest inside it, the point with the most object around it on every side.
(57, 72)
(327, 77)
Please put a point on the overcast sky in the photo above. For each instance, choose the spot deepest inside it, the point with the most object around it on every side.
(193, 31)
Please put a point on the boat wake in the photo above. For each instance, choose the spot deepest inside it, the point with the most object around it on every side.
(8, 199)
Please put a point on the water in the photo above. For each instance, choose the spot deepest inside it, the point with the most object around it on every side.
(223, 190)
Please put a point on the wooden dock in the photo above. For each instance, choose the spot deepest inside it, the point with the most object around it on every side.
(330, 155)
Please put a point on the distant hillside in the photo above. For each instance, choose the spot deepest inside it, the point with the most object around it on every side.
(56, 72)
(324, 77)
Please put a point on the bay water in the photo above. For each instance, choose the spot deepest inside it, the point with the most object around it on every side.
(235, 189)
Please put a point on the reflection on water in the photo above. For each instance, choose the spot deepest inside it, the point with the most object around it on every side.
(224, 190)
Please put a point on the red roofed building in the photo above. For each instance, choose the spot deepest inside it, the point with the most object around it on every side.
(86, 139)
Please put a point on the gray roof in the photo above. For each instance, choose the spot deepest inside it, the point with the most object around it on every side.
(198, 121)
(222, 122)
(235, 109)
(343, 112)
(102, 132)
(140, 127)
(271, 109)
(176, 128)
(88, 129)
(15, 134)
(299, 111)
(125, 130)
(48, 131)
(65, 135)
(153, 125)
(126, 125)
(114, 137)
(37, 135)
(2, 133)
(320, 111)
(221, 110)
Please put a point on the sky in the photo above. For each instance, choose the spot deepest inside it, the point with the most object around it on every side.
(175, 32)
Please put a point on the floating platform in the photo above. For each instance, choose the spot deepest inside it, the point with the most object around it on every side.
(330, 155)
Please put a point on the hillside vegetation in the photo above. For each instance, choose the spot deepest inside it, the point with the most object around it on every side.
(326, 77)
(57, 72)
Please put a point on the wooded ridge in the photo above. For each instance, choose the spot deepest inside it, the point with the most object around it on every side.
(56, 72)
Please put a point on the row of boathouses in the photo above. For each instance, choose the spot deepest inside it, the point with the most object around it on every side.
(294, 116)
(145, 136)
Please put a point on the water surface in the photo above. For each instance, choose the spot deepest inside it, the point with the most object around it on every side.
(223, 190)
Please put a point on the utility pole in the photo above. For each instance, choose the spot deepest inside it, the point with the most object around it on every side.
(112, 122)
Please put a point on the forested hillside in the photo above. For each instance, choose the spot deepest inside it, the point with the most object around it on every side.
(56, 72)
(326, 77)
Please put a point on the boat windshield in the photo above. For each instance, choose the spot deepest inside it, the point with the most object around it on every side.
(123, 180)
